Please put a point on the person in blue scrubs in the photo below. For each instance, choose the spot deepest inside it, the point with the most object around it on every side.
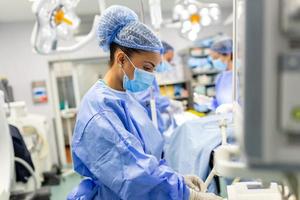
(115, 145)
(221, 54)
(168, 56)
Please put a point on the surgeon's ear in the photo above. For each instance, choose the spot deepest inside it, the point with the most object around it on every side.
(120, 58)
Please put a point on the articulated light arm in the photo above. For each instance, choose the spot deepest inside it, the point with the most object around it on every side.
(56, 21)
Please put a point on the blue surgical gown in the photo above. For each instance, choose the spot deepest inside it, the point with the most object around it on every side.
(223, 89)
(161, 103)
(117, 147)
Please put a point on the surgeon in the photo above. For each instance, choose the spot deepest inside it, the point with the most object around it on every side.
(167, 58)
(115, 145)
(164, 107)
(221, 55)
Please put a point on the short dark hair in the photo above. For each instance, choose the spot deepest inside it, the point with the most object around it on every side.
(128, 51)
(226, 54)
(167, 47)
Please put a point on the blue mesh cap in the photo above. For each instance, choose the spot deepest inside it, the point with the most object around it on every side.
(223, 46)
(166, 47)
(119, 24)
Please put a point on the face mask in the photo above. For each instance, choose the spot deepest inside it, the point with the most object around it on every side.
(219, 65)
(164, 66)
(142, 80)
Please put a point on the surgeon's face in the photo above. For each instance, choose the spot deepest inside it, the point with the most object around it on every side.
(146, 61)
(214, 55)
(168, 56)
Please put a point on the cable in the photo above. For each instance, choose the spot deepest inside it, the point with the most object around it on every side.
(142, 11)
(4, 83)
(223, 127)
(29, 168)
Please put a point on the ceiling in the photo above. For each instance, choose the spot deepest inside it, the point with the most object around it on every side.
(20, 10)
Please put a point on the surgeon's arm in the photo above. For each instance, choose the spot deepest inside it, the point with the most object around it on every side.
(117, 159)
(214, 104)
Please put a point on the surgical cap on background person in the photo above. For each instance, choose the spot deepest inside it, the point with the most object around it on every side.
(166, 47)
(119, 24)
(223, 46)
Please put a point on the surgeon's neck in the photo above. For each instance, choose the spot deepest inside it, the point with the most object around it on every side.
(229, 68)
(114, 79)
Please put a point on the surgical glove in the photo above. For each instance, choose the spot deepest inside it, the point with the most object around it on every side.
(194, 182)
(176, 107)
(194, 195)
(225, 108)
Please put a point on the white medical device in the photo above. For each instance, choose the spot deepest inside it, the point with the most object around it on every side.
(35, 130)
(269, 137)
(248, 190)
(8, 184)
(272, 74)
(7, 170)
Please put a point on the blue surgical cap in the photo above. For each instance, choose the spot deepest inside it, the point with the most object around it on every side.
(120, 25)
(223, 46)
(167, 47)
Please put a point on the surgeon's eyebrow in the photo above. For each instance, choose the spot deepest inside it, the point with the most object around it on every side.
(151, 63)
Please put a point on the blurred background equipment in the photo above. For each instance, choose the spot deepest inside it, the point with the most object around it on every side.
(6, 89)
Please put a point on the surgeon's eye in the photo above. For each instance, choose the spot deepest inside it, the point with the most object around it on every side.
(148, 68)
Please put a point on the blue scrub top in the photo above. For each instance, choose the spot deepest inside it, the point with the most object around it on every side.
(161, 102)
(117, 147)
(223, 89)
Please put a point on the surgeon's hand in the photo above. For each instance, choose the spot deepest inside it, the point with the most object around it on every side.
(194, 195)
(176, 107)
(194, 182)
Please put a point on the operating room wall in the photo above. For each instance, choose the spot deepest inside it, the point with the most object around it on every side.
(21, 66)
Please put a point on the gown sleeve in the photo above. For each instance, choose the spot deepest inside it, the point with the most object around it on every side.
(215, 102)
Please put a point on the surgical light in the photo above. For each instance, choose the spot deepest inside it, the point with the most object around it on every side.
(184, 14)
(183, 31)
(204, 12)
(192, 35)
(57, 22)
(195, 18)
(206, 21)
(196, 27)
(63, 32)
(192, 8)
(178, 8)
(195, 15)
(187, 25)
(214, 12)
(59, 17)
